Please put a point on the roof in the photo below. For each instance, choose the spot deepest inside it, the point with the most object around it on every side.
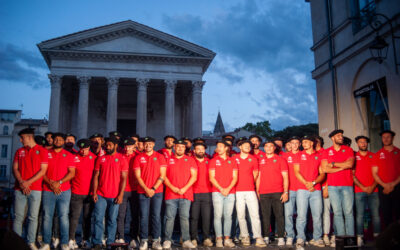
(32, 122)
(219, 128)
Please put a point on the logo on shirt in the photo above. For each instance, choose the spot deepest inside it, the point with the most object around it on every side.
(316, 157)
(155, 158)
(330, 152)
(370, 156)
(22, 153)
(171, 161)
(237, 161)
(50, 156)
(262, 161)
(303, 157)
(289, 159)
(206, 162)
(103, 159)
(143, 160)
(116, 160)
(218, 162)
(382, 155)
(274, 160)
(37, 152)
(343, 150)
(186, 159)
(249, 159)
(358, 158)
(395, 152)
(64, 155)
(90, 157)
(261, 156)
(229, 162)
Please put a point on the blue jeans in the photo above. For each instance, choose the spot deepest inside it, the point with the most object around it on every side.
(342, 200)
(373, 204)
(171, 207)
(223, 206)
(305, 199)
(154, 203)
(289, 211)
(102, 205)
(30, 203)
(51, 202)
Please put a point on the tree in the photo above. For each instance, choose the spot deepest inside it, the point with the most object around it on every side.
(300, 131)
(260, 128)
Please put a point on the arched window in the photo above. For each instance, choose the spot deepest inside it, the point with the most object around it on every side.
(5, 130)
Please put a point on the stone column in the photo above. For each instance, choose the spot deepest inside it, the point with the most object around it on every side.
(83, 106)
(141, 108)
(197, 108)
(112, 103)
(55, 100)
(170, 86)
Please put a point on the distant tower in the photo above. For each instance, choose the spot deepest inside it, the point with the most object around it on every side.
(219, 128)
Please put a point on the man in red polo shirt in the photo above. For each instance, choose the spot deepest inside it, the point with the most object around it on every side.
(201, 197)
(49, 139)
(365, 189)
(70, 141)
(223, 177)
(272, 187)
(109, 181)
(57, 190)
(97, 141)
(181, 175)
(255, 145)
(337, 162)
(169, 144)
(130, 197)
(29, 167)
(291, 157)
(246, 193)
(150, 170)
(386, 172)
(80, 197)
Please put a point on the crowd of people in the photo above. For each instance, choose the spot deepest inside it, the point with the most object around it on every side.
(59, 179)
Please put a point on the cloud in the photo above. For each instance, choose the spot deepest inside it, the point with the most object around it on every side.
(18, 65)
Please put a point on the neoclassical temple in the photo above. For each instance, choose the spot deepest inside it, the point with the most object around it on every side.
(127, 77)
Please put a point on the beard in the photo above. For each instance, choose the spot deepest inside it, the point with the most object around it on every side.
(110, 151)
(57, 146)
(168, 146)
(363, 149)
(200, 156)
(69, 145)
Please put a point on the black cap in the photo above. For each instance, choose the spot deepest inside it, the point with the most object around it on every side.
(169, 136)
(26, 131)
(48, 133)
(269, 141)
(335, 132)
(308, 138)
(149, 139)
(69, 134)
(199, 144)
(239, 143)
(141, 139)
(223, 142)
(114, 133)
(180, 142)
(387, 131)
(111, 139)
(186, 139)
(58, 134)
(135, 135)
(83, 143)
(198, 140)
(96, 136)
(293, 138)
(278, 139)
(129, 141)
(255, 136)
(225, 137)
(40, 140)
(346, 141)
(362, 137)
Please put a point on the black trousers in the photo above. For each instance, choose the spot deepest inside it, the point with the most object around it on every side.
(77, 203)
(131, 198)
(201, 208)
(390, 205)
(268, 203)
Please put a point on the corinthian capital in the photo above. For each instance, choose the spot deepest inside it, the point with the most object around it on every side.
(55, 80)
(112, 82)
(170, 85)
(142, 82)
(84, 81)
(198, 86)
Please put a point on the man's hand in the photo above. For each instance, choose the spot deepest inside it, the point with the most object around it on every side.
(182, 191)
(26, 191)
(284, 197)
(119, 199)
(388, 189)
(57, 191)
(175, 190)
(150, 192)
(24, 184)
(312, 189)
(325, 193)
(95, 197)
(369, 189)
(225, 192)
(309, 185)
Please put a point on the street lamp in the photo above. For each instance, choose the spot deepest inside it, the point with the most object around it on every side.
(379, 49)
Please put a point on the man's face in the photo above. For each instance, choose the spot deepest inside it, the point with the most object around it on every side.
(169, 143)
(188, 144)
(84, 151)
(26, 139)
(49, 139)
(295, 144)
(70, 141)
(111, 147)
(58, 142)
(140, 146)
(362, 144)
(338, 139)
(245, 148)
(269, 148)
(199, 151)
(96, 142)
(180, 149)
(387, 139)
(279, 143)
(221, 148)
(307, 144)
(149, 146)
(255, 142)
(230, 143)
(129, 149)
(318, 142)
(136, 140)
(288, 147)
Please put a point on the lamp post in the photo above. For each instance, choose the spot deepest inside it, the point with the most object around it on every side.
(379, 49)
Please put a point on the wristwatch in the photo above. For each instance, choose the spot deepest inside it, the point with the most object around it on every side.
(313, 183)
(153, 188)
(286, 192)
(60, 182)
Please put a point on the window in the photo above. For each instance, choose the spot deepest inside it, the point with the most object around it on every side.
(361, 11)
(6, 116)
(3, 171)
(4, 150)
(5, 130)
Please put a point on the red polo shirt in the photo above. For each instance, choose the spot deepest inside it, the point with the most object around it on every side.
(223, 172)
(291, 158)
(344, 177)
(388, 164)
(59, 163)
(270, 172)
(29, 163)
(245, 174)
(110, 167)
(165, 153)
(203, 184)
(131, 182)
(309, 168)
(149, 167)
(178, 173)
(363, 171)
(82, 181)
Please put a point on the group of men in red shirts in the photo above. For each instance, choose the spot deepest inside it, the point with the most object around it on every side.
(106, 175)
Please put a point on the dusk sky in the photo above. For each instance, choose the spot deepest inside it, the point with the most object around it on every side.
(261, 71)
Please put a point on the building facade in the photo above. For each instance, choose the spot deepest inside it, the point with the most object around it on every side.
(356, 45)
(127, 77)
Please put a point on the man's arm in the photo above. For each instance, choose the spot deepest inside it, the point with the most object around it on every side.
(347, 164)
(285, 196)
(255, 175)
(213, 180)
(122, 185)
(328, 168)
(192, 180)
(39, 174)
(95, 184)
(170, 186)
(232, 184)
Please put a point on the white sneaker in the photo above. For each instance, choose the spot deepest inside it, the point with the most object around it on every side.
(72, 244)
(188, 244)
(333, 241)
(104, 242)
(85, 244)
(219, 243)
(326, 240)
(317, 243)
(167, 244)
(64, 247)
(55, 242)
(45, 247)
(281, 242)
(143, 245)
(300, 242)
(208, 242)
(360, 241)
(260, 242)
(133, 244)
(194, 242)
(289, 241)
(246, 241)
(156, 245)
(32, 246)
(120, 241)
(229, 243)
(266, 240)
